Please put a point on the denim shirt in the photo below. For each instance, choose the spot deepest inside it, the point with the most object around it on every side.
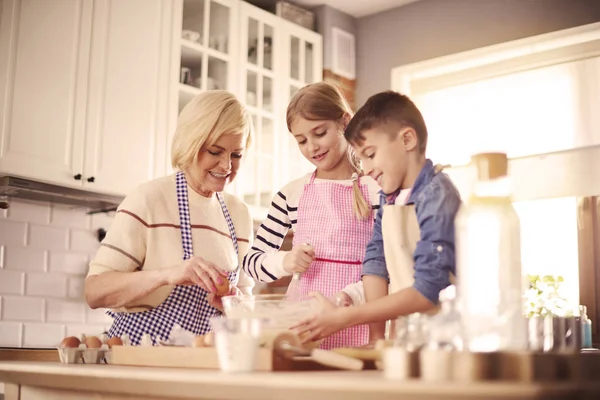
(436, 201)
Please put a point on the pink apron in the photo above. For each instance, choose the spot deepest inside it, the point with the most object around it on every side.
(326, 221)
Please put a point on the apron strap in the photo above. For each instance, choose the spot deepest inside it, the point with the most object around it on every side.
(185, 220)
(229, 225)
(312, 177)
(184, 215)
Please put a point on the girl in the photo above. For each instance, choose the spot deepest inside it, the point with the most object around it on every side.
(330, 208)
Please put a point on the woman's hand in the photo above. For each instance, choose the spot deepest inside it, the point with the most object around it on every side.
(216, 301)
(299, 258)
(196, 271)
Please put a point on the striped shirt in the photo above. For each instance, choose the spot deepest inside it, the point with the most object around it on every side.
(264, 261)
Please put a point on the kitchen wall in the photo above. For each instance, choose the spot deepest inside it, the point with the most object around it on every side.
(433, 28)
(44, 256)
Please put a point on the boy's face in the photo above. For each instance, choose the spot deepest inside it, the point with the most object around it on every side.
(384, 156)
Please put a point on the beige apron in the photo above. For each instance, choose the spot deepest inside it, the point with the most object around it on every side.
(400, 231)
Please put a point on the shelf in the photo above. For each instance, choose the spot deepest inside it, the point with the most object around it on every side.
(187, 93)
(259, 70)
(192, 54)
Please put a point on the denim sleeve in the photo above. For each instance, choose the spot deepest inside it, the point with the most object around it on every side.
(374, 262)
(436, 208)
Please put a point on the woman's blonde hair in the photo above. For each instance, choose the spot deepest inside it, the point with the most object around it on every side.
(324, 101)
(206, 118)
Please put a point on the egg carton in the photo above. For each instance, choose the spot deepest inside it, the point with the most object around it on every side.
(84, 355)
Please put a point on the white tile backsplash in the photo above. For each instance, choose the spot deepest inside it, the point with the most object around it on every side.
(13, 233)
(10, 334)
(48, 237)
(84, 241)
(29, 212)
(12, 282)
(43, 335)
(75, 287)
(44, 256)
(25, 258)
(69, 217)
(69, 263)
(46, 285)
(65, 311)
(22, 309)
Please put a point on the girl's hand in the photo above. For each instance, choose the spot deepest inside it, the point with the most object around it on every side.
(299, 258)
(196, 271)
(216, 301)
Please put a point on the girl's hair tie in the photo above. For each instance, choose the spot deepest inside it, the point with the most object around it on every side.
(354, 177)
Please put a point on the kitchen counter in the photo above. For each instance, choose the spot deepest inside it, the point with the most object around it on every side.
(37, 380)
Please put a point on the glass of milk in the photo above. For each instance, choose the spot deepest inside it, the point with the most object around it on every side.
(236, 341)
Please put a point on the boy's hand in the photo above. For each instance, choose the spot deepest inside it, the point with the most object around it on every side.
(329, 321)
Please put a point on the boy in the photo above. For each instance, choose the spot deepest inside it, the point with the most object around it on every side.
(412, 246)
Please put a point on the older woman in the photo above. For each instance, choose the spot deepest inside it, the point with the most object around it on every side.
(174, 239)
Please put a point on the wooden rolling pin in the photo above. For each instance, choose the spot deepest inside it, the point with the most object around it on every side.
(288, 345)
(358, 353)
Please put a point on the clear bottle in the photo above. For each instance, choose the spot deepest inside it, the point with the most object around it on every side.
(435, 358)
(490, 282)
(586, 328)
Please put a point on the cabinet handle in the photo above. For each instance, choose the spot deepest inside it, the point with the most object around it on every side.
(77, 177)
(91, 179)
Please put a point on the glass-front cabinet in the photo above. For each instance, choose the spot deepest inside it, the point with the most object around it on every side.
(304, 66)
(260, 86)
(207, 47)
(269, 69)
(262, 59)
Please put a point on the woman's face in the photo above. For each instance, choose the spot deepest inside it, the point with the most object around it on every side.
(321, 142)
(217, 165)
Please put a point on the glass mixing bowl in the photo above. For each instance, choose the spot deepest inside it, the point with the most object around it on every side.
(280, 313)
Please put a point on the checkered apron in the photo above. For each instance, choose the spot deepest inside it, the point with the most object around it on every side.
(186, 305)
(326, 221)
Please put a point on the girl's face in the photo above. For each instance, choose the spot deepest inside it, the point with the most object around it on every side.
(321, 142)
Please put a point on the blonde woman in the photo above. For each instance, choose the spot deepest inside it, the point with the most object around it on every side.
(174, 239)
(329, 210)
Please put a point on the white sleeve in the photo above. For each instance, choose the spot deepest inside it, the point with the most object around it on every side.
(356, 293)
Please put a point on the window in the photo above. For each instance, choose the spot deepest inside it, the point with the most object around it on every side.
(535, 99)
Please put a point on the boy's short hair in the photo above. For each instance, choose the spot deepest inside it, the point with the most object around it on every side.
(390, 111)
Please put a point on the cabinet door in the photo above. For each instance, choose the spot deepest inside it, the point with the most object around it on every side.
(128, 93)
(44, 52)
(260, 91)
(304, 65)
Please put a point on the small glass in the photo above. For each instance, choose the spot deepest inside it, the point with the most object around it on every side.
(237, 342)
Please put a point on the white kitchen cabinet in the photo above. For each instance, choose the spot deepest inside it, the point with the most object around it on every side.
(44, 53)
(84, 91)
(127, 95)
(253, 57)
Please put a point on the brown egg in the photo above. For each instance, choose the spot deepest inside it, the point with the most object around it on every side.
(92, 342)
(114, 341)
(199, 341)
(223, 289)
(70, 341)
